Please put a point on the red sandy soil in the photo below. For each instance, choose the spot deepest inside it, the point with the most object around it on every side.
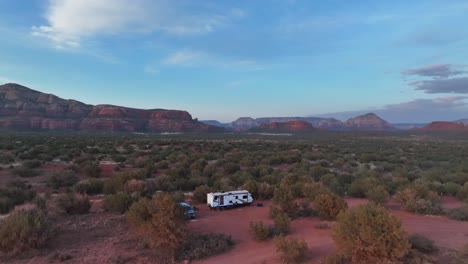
(107, 170)
(446, 233)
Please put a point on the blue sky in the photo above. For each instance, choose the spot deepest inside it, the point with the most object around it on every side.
(405, 60)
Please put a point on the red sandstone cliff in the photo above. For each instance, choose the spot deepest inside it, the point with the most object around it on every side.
(24, 108)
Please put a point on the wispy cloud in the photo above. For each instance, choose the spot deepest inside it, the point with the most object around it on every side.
(185, 57)
(69, 22)
(441, 80)
(437, 71)
(454, 85)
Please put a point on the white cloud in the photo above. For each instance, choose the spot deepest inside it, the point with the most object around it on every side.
(69, 22)
(184, 57)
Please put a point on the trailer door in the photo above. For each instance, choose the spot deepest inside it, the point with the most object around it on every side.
(221, 200)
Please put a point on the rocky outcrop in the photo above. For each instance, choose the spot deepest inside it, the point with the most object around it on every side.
(242, 124)
(281, 127)
(368, 122)
(24, 108)
(445, 126)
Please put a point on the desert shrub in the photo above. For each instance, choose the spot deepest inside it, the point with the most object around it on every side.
(337, 258)
(117, 183)
(73, 203)
(252, 187)
(378, 195)
(451, 188)
(422, 244)
(422, 206)
(15, 193)
(62, 179)
(24, 172)
(91, 186)
(23, 230)
(265, 191)
(198, 246)
(285, 200)
(291, 250)
(32, 164)
(162, 221)
(259, 231)
(281, 222)
(91, 170)
(231, 167)
(134, 186)
(460, 214)
(305, 210)
(329, 205)
(118, 203)
(140, 212)
(368, 234)
(419, 199)
(199, 194)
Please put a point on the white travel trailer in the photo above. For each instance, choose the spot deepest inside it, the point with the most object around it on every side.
(220, 200)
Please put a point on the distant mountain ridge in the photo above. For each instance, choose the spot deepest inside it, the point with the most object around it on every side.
(367, 122)
(24, 108)
(281, 127)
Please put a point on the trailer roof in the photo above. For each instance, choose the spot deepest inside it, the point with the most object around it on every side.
(229, 192)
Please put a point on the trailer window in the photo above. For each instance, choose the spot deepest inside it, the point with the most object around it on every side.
(236, 197)
(216, 198)
(244, 197)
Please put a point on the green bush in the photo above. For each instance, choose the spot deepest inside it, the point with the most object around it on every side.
(265, 191)
(118, 203)
(259, 231)
(281, 222)
(162, 221)
(24, 172)
(378, 195)
(73, 203)
(14, 194)
(91, 186)
(368, 234)
(460, 214)
(422, 244)
(62, 179)
(285, 200)
(419, 199)
(199, 194)
(23, 230)
(199, 246)
(291, 250)
(117, 183)
(329, 205)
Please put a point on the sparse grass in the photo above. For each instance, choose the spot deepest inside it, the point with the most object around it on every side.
(23, 230)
